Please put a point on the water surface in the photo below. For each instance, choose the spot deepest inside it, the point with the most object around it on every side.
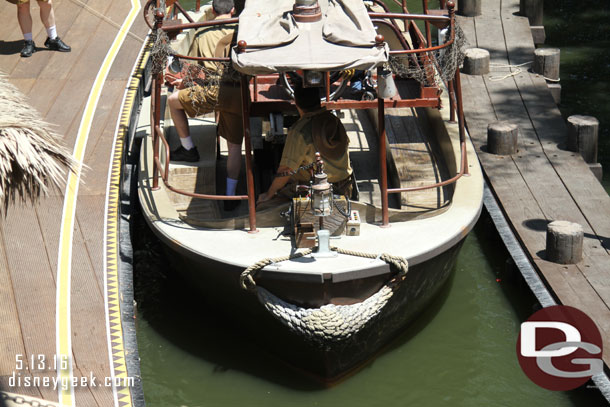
(460, 352)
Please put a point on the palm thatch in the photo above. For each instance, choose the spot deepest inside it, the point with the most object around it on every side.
(32, 160)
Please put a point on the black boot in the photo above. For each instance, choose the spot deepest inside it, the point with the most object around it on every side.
(28, 49)
(57, 44)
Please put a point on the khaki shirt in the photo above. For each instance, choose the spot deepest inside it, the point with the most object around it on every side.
(300, 150)
(205, 43)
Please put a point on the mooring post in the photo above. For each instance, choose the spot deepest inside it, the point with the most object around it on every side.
(533, 10)
(476, 61)
(502, 138)
(546, 63)
(469, 8)
(583, 133)
(564, 242)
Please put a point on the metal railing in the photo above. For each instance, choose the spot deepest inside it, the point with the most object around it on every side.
(162, 171)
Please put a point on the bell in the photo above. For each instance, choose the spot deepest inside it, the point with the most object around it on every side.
(386, 87)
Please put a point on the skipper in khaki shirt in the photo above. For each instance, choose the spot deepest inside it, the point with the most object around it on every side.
(318, 130)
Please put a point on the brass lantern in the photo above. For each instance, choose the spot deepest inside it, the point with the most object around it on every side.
(321, 191)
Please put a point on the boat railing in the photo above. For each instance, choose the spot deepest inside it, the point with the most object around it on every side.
(161, 170)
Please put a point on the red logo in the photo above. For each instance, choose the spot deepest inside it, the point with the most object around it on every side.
(560, 348)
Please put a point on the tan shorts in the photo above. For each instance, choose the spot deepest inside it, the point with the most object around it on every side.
(25, 1)
(227, 101)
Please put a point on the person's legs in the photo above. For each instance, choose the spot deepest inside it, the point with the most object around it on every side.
(25, 18)
(25, 23)
(47, 16)
(187, 151)
(234, 160)
(178, 115)
(233, 167)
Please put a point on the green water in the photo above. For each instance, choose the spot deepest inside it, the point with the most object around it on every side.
(461, 352)
(581, 29)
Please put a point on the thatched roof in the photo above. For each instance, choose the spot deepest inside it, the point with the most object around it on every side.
(32, 159)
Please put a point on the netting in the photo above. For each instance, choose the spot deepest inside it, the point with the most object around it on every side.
(433, 67)
(201, 81)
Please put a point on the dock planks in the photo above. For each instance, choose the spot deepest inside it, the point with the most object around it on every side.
(542, 182)
(58, 85)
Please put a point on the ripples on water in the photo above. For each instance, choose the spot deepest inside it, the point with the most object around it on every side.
(460, 352)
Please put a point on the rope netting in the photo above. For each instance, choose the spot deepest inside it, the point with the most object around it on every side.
(330, 322)
(433, 67)
(201, 78)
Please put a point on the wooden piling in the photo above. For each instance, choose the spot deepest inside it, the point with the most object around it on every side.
(582, 136)
(564, 242)
(533, 10)
(469, 8)
(476, 61)
(502, 138)
(546, 63)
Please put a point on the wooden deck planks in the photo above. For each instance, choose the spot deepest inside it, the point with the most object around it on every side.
(58, 85)
(33, 283)
(65, 15)
(542, 182)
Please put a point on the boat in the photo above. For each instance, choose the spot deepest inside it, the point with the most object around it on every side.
(324, 286)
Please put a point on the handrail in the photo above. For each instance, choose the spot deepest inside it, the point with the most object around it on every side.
(184, 12)
(159, 136)
(455, 93)
(463, 151)
(165, 176)
(199, 24)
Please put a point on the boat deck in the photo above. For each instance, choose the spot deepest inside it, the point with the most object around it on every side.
(542, 182)
(414, 161)
(58, 267)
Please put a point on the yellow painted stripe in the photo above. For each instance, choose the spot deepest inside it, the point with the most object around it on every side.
(114, 328)
(64, 263)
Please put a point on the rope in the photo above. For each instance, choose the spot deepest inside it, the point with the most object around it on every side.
(517, 72)
(247, 281)
(330, 322)
(293, 172)
(106, 19)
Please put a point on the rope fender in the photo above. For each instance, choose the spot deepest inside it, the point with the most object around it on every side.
(329, 322)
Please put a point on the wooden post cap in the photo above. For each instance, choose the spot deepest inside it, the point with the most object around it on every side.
(564, 242)
(502, 138)
(469, 8)
(546, 63)
(476, 61)
(583, 133)
(533, 10)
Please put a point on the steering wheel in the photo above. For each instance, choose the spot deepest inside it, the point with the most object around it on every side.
(290, 79)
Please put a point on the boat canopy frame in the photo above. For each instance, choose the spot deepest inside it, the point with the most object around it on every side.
(252, 105)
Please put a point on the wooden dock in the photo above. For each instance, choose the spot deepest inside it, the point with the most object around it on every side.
(543, 181)
(58, 261)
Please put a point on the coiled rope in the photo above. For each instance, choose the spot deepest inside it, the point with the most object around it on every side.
(515, 73)
(329, 322)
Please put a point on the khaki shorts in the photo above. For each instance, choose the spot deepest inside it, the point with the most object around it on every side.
(226, 100)
(25, 1)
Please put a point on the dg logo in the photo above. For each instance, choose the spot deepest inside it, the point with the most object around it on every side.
(560, 348)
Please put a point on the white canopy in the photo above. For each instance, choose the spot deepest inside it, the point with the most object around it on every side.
(343, 39)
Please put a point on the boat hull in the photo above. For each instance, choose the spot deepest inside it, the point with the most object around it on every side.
(328, 361)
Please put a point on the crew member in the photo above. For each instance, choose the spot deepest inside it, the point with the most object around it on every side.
(317, 130)
(196, 100)
(47, 16)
